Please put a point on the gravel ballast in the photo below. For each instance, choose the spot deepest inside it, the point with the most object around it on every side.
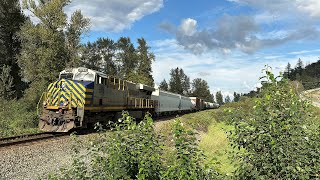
(36, 160)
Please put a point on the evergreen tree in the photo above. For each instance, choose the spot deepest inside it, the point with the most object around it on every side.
(185, 80)
(45, 49)
(236, 97)
(200, 88)
(287, 71)
(164, 85)
(179, 81)
(11, 20)
(107, 51)
(213, 98)
(127, 59)
(219, 98)
(227, 99)
(145, 59)
(299, 65)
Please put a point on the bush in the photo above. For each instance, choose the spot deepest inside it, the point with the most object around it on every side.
(132, 151)
(277, 140)
(16, 119)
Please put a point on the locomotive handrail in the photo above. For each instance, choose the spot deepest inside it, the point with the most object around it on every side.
(39, 103)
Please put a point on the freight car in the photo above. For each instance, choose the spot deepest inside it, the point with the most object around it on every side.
(170, 103)
(82, 97)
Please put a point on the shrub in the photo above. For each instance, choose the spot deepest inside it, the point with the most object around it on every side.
(132, 150)
(188, 160)
(16, 119)
(278, 143)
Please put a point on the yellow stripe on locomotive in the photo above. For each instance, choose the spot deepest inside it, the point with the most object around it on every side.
(67, 92)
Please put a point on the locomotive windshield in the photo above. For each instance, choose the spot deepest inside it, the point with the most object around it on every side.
(68, 76)
(84, 76)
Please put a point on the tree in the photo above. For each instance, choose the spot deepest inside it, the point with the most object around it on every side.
(145, 59)
(164, 85)
(78, 24)
(287, 71)
(127, 59)
(219, 98)
(107, 50)
(299, 65)
(200, 88)
(100, 56)
(11, 19)
(179, 81)
(90, 57)
(45, 45)
(236, 97)
(6, 83)
(227, 99)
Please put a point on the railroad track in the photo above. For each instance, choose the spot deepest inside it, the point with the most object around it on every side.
(9, 141)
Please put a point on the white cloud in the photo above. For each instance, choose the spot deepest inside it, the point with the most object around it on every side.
(114, 15)
(236, 71)
(188, 26)
(235, 32)
(312, 7)
(308, 7)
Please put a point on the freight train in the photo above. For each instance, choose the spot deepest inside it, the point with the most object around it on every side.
(82, 97)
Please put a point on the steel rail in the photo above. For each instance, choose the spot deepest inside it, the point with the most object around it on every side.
(9, 141)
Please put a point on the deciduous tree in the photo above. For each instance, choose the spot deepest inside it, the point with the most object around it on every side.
(45, 44)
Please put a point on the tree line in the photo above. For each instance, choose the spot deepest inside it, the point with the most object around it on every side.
(34, 51)
(309, 75)
(180, 83)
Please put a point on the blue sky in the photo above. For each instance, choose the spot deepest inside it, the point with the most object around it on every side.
(225, 42)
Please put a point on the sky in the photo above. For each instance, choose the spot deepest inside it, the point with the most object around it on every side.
(225, 42)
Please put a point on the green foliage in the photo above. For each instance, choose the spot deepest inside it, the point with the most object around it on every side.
(236, 97)
(78, 24)
(179, 82)
(188, 160)
(6, 83)
(308, 75)
(46, 47)
(164, 85)
(145, 60)
(120, 59)
(278, 143)
(15, 119)
(219, 98)
(131, 150)
(11, 19)
(200, 88)
(227, 99)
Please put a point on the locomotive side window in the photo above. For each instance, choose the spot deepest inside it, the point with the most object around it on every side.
(68, 76)
(100, 79)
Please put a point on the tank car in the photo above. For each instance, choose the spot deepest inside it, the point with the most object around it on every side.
(81, 97)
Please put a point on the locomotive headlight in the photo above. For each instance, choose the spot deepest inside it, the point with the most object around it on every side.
(65, 104)
(44, 103)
